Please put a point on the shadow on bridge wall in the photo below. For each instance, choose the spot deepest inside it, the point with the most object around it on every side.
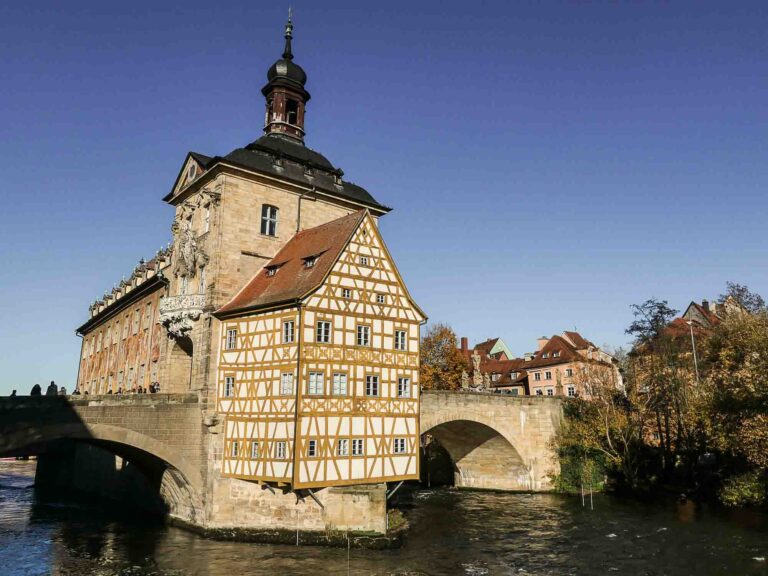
(480, 457)
(98, 462)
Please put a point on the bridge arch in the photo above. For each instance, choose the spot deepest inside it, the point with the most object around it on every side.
(495, 441)
(172, 482)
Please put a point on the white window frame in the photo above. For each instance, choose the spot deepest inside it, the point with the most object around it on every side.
(340, 384)
(234, 449)
(550, 392)
(323, 330)
(316, 383)
(358, 447)
(254, 449)
(363, 260)
(548, 375)
(346, 293)
(229, 386)
(571, 390)
(289, 331)
(231, 342)
(342, 447)
(286, 384)
(381, 298)
(537, 376)
(401, 340)
(403, 387)
(398, 446)
(363, 335)
(269, 219)
(372, 384)
(311, 448)
(281, 450)
(569, 372)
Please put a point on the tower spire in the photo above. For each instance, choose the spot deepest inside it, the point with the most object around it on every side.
(287, 53)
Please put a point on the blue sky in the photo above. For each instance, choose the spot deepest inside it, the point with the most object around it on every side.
(550, 163)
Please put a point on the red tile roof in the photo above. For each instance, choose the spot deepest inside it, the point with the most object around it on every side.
(578, 340)
(293, 280)
(559, 344)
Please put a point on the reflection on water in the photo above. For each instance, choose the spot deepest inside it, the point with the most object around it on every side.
(473, 533)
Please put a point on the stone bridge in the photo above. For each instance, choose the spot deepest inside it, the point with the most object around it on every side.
(162, 452)
(158, 434)
(496, 441)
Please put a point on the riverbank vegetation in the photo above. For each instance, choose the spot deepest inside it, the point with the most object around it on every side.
(692, 414)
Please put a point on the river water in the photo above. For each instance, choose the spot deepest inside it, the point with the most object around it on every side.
(452, 532)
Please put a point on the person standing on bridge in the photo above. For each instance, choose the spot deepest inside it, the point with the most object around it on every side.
(62, 391)
(13, 394)
(52, 389)
(36, 390)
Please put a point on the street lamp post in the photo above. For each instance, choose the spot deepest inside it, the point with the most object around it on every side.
(693, 345)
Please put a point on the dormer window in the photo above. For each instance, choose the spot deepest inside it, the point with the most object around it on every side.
(513, 375)
(545, 355)
(556, 354)
(272, 270)
(292, 112)
(309, 261)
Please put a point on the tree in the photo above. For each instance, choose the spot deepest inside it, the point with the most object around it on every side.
(750, 301)
(441, 361)
(651, 318)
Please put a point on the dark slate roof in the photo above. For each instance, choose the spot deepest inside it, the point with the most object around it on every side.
(202, 159)
(295, 159)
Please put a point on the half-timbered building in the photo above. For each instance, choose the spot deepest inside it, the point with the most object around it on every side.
(318, 373)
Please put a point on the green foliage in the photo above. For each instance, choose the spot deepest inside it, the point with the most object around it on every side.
(747, 489)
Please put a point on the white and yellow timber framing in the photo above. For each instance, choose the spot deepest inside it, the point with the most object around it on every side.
(385, 426)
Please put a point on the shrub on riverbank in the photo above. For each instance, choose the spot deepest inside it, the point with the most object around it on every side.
(748, 489)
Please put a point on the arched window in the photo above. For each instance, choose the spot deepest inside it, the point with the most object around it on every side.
(292, 112)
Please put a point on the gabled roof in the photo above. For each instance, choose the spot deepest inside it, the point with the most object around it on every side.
(710, 317)
(578, 341)
(559, 344)
(292, 279)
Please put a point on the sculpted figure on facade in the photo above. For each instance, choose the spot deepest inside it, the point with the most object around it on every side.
(464, 380)
(477, 377)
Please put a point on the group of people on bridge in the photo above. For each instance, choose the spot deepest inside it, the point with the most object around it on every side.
(54, 390)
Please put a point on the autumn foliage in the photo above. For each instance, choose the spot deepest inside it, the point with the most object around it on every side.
(441, 360)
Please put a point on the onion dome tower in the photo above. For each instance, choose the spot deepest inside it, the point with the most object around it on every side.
(285, 93)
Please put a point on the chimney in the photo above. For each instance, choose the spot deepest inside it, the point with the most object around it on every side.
(705, 305)
(542, 342)
(464, 343)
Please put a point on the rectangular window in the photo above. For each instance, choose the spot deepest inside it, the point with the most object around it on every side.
(142, 369)
(363, 335)
(268, 220)
(342, 447)
(231, 339)
(548, 375)
(254, 449)
(116, 335)
(316, 383)
(323, 332)
(569, 372)
(346, 293)
(371, 385)
(515, 392)
(357, 447)
(364, 260)
(399, 446)
(537, 376)
(339, 384)
(539, 392)
(311, 448)
(400, 340)
(148, 316)
(403, 387)
(280, 450)
(235, 448)
(229, 386)
(135, 321)
(286, 384)
(288, 331)
(571, 391)
(381, 299)
(550, 392)
(125, 327)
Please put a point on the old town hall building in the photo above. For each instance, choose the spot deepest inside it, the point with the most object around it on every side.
(279, 303)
